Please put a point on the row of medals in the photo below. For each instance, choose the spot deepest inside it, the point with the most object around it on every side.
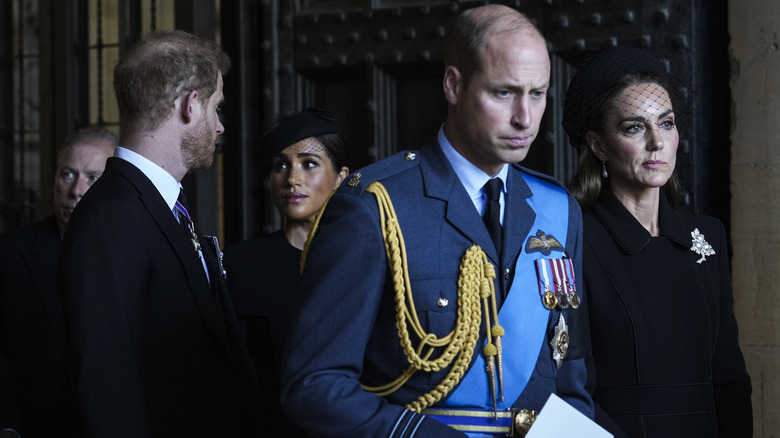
(565, 297)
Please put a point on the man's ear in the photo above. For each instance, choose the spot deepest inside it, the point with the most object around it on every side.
(596, 145)
(453, 84)
(187, 106)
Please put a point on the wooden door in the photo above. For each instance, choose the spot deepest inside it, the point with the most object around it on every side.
(378, 65)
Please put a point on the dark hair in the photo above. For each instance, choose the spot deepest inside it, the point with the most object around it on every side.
(336, 147)
(587, 184)
(159, 68)
(588, 99)
(594, 119)
(470, 31)
(312, 122)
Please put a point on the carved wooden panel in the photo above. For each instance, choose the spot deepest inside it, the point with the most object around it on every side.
(377, 63)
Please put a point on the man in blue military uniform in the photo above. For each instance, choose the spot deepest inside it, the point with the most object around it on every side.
(405, 329)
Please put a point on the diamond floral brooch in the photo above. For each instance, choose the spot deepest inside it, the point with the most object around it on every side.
(700, 246)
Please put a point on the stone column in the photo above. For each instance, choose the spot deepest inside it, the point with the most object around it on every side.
(754, 26)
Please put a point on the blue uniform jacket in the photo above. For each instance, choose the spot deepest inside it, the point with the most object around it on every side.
(345, 334)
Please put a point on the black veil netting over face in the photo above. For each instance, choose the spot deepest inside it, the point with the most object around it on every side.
(600, 71)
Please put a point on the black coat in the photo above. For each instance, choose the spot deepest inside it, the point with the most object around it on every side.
(666, 360)
(35, 398)
(263, 277)
(155, 348)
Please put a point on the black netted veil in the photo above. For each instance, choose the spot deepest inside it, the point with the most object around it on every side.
(311, 122)
(598, 73)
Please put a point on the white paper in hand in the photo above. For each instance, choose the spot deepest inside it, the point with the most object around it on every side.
(558, 419)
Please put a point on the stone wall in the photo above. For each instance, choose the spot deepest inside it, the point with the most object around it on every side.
(754, 26)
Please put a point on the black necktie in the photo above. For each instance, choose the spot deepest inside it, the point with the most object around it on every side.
(492, 216)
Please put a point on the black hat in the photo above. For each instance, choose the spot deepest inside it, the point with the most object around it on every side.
(311, 122)
(596, 75)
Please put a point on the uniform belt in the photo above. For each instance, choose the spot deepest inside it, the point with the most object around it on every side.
(509, 422)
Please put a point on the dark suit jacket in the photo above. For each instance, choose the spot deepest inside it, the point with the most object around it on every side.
(155, 349)
(34, 394)
(346, 332)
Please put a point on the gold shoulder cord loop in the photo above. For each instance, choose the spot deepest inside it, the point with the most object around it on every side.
(475, 285)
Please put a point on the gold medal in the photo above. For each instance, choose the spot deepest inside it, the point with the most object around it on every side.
(549, 300)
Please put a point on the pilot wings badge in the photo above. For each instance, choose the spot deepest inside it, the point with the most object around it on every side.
(543, 243)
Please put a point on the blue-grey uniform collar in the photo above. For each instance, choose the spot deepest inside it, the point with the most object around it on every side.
(472, 177)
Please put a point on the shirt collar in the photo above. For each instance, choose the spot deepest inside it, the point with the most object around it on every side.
(162, 180)
(472, 177)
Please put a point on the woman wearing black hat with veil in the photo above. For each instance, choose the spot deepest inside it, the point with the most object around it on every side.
(666, 360)
(305, 156)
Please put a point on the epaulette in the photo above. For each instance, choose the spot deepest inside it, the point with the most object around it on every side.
(357, 181)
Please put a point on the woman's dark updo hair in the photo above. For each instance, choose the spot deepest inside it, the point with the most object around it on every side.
(336, 148)
(312, 122)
